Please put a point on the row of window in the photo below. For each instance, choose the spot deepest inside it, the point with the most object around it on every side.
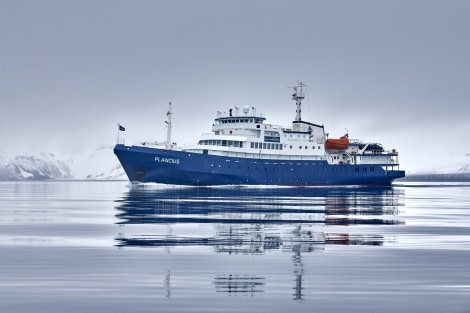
(264, 145)
(241, 120)
(306, 147)
(313, 168)
(223, 143)
(274, 146)
(364, 169)
(253, 145)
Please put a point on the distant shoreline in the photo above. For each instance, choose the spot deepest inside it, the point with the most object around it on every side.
(455, 177)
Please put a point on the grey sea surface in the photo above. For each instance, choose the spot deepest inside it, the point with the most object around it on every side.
(98, 246)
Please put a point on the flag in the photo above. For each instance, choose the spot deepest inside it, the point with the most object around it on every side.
(121, 128)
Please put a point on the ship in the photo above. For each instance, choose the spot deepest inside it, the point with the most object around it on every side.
(243, 149)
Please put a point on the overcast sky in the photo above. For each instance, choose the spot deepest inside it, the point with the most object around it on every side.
(396, 72)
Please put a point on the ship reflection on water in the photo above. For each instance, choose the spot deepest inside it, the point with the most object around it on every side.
(244, 220)
(256, 220)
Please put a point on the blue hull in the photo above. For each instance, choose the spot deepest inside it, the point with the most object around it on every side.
(143, 164)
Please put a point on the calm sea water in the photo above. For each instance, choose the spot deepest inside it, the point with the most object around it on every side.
(109, 247)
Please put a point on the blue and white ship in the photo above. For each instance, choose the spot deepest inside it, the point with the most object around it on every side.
(243, 149)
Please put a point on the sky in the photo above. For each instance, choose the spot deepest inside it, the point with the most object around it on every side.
(395, 72)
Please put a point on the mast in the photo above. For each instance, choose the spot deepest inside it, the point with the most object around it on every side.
(298, 96)
(168, 131)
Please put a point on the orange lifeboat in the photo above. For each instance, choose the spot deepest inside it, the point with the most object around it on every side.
(337, 144)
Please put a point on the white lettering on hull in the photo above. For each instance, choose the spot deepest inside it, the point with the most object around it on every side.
(167, 160)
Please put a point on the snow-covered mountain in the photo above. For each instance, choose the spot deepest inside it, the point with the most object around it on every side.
(447, 164)
(98, 164)
(446, 168)
(33, 167)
